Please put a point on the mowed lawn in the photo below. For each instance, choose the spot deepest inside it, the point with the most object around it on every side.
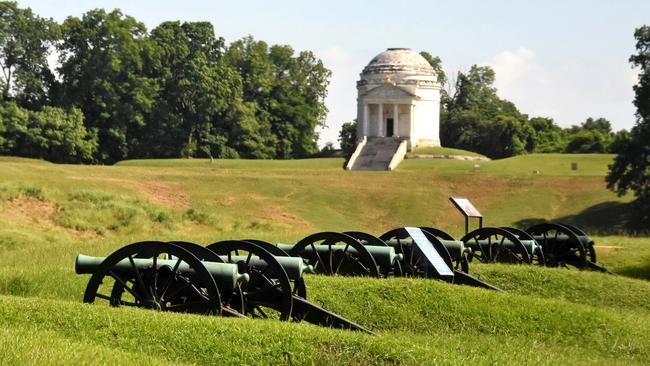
(50, 213)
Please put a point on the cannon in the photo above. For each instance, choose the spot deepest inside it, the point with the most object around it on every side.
(231, 278)
(452, 252)
(565, 245)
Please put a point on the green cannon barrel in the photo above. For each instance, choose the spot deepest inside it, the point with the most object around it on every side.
(295, 267)
(384, 256)
(225, 274)
(454, 247)
(531, 245)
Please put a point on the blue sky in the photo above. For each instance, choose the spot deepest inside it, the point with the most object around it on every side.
(562, 59)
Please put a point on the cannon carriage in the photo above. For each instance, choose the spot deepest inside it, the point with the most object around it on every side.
(231, 278)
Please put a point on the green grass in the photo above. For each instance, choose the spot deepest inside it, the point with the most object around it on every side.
(50, 213)
(439, 150)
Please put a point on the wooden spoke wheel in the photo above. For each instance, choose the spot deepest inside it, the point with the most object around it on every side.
(535, 250)
(414, 263)
(141, 275)
(491, 245)
(273, 249)
(563, 246)
(299, 287)
(268, 292)
(395, 269)
(333, 253)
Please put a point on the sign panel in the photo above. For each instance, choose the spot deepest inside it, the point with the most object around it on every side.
(465, 206)
(429, 251)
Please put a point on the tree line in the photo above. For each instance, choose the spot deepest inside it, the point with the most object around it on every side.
(118, 91)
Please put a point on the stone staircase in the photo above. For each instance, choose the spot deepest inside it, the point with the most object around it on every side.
(376, 154)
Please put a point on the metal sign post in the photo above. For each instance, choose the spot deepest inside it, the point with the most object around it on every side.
(468, 210)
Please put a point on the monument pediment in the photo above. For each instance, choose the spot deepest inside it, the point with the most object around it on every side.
(388, 91)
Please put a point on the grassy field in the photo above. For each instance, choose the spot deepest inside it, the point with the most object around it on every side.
(50, 213)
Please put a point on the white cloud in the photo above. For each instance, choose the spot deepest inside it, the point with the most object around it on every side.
(569, 91)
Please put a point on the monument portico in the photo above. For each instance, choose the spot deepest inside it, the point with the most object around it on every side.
(399, 96)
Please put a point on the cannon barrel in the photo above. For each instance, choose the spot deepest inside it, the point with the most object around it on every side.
(531, 245)
(384, 256)
(454, 247)
(295, 267)
(225, 275)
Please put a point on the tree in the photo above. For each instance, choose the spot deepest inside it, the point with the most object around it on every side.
(104, 73)
(631, 168)
(25, 43)
(348, 137)
(51, 134)
(477, 119)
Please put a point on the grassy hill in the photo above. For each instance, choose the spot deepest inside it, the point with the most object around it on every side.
(50, 213)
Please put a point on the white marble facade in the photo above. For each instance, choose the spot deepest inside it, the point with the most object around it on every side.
(399, 96)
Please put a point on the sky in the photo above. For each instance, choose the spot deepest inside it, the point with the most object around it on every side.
(567, 60)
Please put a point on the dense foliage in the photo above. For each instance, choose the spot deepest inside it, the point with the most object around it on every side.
(175, 91)
(631, 168)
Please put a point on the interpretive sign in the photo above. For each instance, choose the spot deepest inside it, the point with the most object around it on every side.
(465, 206)
(429, 251)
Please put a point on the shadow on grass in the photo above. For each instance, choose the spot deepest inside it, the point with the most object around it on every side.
(641, 271)
(607, 218)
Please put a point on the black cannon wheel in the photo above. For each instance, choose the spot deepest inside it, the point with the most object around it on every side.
(561, 252)
(437, 233)
(199, 251)
(487, 246)
(538, 254)
(413, 262)
(269, 287)
(164, 288)
(273, 249)
(589, 246)
(368, 239)
(299, 287)
(337, 262)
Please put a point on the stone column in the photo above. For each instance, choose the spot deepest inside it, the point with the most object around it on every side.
(366, 115)
(396, 119)
(412, 126)
(380, 119)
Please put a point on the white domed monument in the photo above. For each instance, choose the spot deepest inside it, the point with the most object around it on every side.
(398, 108)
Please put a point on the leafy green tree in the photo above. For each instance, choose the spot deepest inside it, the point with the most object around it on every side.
(477, 119)
(631, 168)
(348, 137)
(436, 63)
(287, 90)
(587, 141)
(25, 43)
(549, 137)
(103, 72)
(51, 134)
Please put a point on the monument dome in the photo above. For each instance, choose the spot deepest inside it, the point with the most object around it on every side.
(399, 60)
(399, 98)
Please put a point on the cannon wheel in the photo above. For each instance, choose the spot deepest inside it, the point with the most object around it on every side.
(495, 251)
(463, 261)
(299, 287)
(537, 255)
(342, 262)
(571, 252)
(199, 251)
(156, 287)
(273, 249)
(437, 233)
(268, 288)
(413, 260)
(591, 251)
(395, 269)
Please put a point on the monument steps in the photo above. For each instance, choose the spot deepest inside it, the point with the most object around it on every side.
(377, 153)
